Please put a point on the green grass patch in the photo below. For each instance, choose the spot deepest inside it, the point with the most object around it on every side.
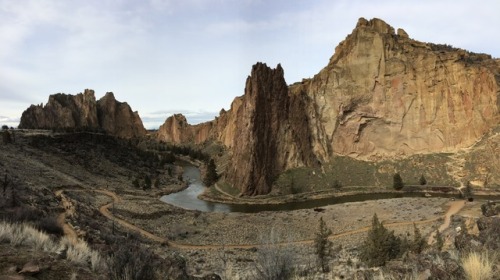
(226, 187)
(344, 173)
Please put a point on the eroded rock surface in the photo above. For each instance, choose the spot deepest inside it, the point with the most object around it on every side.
(65, 111)
(382, 96)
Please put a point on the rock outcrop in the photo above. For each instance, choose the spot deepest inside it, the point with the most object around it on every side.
(382, 96)
(82, 111)
(263, 116)
(385, 95)
(117, 118)
(63, 111)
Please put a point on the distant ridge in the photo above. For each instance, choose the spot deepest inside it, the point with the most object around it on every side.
(65, 111)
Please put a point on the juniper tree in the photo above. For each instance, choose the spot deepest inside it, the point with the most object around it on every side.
(422, 180)
(397, 182)
(322, 245)
(468, 191)
(147, 182)
(211, 176)
(135, 183)
(439, 240)
(380, 245)
(419, 242)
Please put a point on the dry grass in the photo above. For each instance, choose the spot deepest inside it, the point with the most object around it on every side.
(478, 266)
(26, 235)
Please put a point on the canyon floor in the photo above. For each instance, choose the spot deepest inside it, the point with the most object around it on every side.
(96, 198)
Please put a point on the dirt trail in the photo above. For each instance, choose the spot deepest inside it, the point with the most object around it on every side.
(104, 209)
(69, 210)
(455, 167)
(454, 208)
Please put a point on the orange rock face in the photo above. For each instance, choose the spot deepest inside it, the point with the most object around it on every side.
(382, 95)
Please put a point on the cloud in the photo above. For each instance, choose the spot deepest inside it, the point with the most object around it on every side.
(160, 55)
(9, 121)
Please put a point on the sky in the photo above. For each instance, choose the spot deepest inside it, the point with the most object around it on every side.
(193, 56)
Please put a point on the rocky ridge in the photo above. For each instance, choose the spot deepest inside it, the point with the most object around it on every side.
(382, 95)
(82, 111)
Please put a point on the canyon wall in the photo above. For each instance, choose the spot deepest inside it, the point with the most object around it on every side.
(382, 96)
(82, 111)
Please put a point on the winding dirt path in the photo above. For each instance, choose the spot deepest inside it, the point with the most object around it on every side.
(454, 207)
(104, 209)
(69, 210)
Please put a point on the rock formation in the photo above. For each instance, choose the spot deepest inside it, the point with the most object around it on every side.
(117, 118)
(382, 95)
(63, 111)
(261, 119)
(82, 111)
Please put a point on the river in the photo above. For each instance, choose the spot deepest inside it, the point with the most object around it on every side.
(188, 198)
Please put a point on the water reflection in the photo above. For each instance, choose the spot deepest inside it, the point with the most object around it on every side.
(188, 198)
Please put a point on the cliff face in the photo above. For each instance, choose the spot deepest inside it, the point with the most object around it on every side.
(117, 118)
(382, 95)
(63, 111)
(266, 131)
(261, 119)
(83, 111)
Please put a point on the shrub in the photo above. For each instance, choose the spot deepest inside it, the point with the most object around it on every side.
(397, 182)
(24, 214)
(380, 245)
(323, 246)
(147, 183)
(6, 137)
(211, 176)
(422, 181)
(51, 226)
(131, 261)
(135, 183)
(337, 184)
(79, 252)
(419, 243)
(439, 240)
(27, 235)
(274, 262)
(467, 193)
(478, 266)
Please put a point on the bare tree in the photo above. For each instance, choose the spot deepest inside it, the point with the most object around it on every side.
(274, 259)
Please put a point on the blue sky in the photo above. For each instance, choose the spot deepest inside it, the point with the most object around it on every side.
(193, 56)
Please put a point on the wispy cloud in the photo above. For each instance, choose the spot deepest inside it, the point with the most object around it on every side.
(160, 55)
(11, 122)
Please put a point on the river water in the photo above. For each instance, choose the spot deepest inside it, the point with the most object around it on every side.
(188, 198)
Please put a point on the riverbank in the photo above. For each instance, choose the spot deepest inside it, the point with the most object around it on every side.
(215, 195)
